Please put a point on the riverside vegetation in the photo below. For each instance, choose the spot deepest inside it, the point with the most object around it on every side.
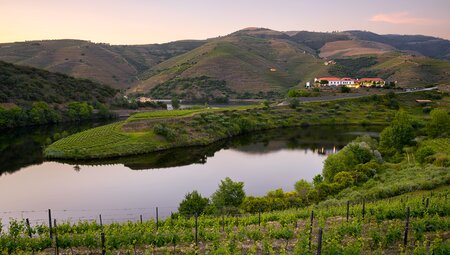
(153, 131)
(406, 170)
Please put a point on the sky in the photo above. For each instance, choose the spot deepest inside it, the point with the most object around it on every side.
(159, 21)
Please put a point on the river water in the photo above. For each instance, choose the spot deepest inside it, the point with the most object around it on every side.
(124, 188)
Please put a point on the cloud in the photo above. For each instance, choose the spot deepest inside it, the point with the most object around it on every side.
(399, 18)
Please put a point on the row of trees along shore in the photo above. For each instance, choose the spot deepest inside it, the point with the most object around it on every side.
(361, 160)
(40, 113)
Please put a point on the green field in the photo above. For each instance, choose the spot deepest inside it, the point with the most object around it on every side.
(153, 131)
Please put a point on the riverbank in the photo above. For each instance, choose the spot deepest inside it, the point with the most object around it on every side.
(155, 131)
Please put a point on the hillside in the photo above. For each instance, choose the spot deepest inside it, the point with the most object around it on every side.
(248, 63)
(21, 84)
(114, 65)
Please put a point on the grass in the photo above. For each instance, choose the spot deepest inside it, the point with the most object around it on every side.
(183, 128)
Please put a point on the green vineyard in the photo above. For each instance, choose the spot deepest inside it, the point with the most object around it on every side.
(414, 223)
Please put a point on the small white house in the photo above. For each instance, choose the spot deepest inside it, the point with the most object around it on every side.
(334, 81)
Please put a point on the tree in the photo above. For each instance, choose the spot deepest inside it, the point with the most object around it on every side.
(344, 179)
(229, 195)
(347, 159)
(294, 103)
(193, 203)
(439, 124)
(345, 89)
(399, 134)
(318, 179)
(302, 187)
(175, 103)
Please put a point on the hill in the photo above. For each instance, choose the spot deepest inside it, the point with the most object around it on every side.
(247, 63)
(21, 84)
(114, 65)
(258, 62)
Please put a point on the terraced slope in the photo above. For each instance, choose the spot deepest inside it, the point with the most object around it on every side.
(117, 66)
(245, 62)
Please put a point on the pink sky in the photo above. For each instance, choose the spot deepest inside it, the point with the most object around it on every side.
(157, 21)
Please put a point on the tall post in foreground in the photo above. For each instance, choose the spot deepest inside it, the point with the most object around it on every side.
(405, 241)
(101, 221)
(319, 242)
(157, 219)
(103, 243)
(50, 223)
(56, 240)
(28, 227)
(311, 228)
(348, 209)
(196, 229)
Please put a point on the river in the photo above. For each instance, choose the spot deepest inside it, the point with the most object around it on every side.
(124, 188)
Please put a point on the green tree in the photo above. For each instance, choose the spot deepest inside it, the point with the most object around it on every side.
(345, 89)
(294, 103)
(302, 187)
(79, 111)
(318, 179)
(346, 160)
(229, 195)
(439, 124)
(344, 179)
(193, 203)
(175, 103)
(399, 134)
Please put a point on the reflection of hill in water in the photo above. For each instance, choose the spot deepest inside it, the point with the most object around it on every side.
(22, 147)
(321, 140)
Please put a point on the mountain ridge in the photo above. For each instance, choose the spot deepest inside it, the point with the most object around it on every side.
(251, 62)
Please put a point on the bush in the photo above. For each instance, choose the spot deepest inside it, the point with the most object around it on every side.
(193, 203)
(165, 131)
(345, 89)
(399, 134)
(230, 195)
(423, 153)
(439, 125)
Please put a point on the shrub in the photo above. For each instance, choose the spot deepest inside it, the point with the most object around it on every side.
(423, 153)
(193, 203)
(439, 125)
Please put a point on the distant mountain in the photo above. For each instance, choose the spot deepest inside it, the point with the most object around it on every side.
(115, 65)
(249, 63)
(21, 84)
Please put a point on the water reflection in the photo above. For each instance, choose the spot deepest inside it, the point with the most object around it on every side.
(81, 190)
(321, 140)
(21, 147)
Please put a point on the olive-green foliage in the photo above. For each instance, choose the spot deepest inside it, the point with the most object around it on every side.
(20, 84)
(274, 200)
(165, 131)
(194, 89)
(345, 89)
(345, 160)
(193, 203)
(41, 113)
(229, 195)
(423, 153)
(399, 133)
(175, 103)
(439, 124)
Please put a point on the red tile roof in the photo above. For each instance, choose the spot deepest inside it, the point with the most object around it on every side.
(370, 79)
